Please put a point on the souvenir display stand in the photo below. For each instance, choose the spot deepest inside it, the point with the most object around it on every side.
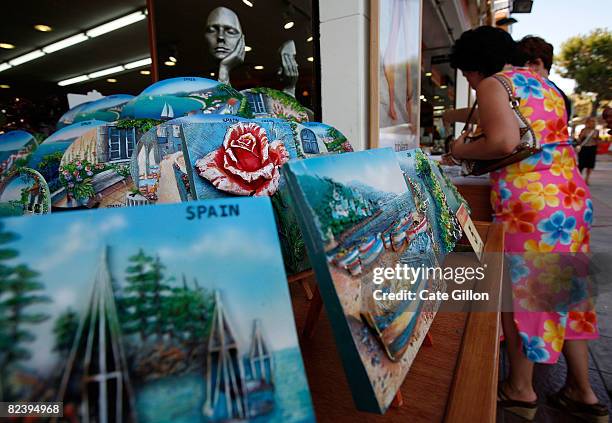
(477, 192)
(453, 378)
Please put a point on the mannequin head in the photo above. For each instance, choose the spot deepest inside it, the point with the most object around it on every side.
(223, 31)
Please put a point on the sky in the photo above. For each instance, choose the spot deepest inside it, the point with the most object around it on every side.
(558, 20)
(377, 168)
(66, 247)
(14, 140)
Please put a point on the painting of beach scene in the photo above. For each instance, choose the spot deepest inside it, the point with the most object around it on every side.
(170, 313)
(358, 213)
(15, 147)
(442, 201)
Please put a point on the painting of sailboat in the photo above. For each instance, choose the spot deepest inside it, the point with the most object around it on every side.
(360, 214)
(142, 322)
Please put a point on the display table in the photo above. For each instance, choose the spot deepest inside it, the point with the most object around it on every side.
(453, 380)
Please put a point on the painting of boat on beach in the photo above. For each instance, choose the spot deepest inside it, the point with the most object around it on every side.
(149, 322)
(442, 202)
(358, 214)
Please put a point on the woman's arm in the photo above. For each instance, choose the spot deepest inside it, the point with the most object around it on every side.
(498, 122)
(459, 115)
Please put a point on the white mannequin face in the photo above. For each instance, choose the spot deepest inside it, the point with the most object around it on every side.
(223, 31)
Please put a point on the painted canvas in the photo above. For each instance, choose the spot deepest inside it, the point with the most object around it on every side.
(441, 206)
(107, 109)
(271, 103)
(15, 147)
(177, 97)
(24, 192)
(171, 313)
(399, 70)
(358, 213)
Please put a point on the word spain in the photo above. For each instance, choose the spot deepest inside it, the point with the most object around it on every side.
(206, 212)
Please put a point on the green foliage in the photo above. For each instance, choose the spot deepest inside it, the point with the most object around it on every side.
(77, 177)
(588, 60)
(294, 250)
(141, 125)
(19, 290)
(65, 331)
(339, 140)
(49, 165)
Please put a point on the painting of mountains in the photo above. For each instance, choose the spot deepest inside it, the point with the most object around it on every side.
(151, 314)
(358, 212)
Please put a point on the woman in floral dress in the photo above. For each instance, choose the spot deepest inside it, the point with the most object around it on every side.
(546, 209)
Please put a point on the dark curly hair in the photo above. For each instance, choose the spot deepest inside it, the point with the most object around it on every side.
(531, 48)
(484, 49)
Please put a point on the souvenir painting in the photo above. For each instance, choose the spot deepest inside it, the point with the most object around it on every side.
(15, 148)
(420, 173)
(24, 192)
(453, 196)
(69, 117)
(107, 109)
(357, 214)
(271, 103)
(47, 157)
(148, 322)
(177, 97)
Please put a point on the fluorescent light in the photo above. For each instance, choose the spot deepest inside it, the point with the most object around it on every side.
(427, 73)
(422, 97)
(212, 74)
(309, 39)
(111, 80)
(74, 80)
(104, 72)
(248, 3)
(258, 67)
(26, 57)
(172, 59)
(145, 72)
(67, 42)
(7, 46)
(5, 86)
(116, 24)
(310, 59)
(4, 66)
(247, 48)
(438, 107)
(138, 63)
(443, 86)
(289, 25)
(169, 63)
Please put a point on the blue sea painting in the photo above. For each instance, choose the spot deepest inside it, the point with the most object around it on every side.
(153, 314)
(107, 109)
(358, 213)
(176, 97)
(14, 146)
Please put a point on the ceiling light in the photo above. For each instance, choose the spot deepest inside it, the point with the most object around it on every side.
(427, 73)
(212, 74)
(422, 97)
(444, 87)
(74, 80)
(116, 24)
(248, 3)
(5, 86)
(289, 25)
(145, 72)
(172, 59)
(258, 67)
(43, 28)
(438, 107)
(309, 39)
(310, 59)
(4, 66)
(26, 57)
(111, 80)
(67, 42)
(7, 46)
(21, 120)
(138, 63)
(3, 110)
(105, 72)
(436, 97)
(169, 63)
(247, 48)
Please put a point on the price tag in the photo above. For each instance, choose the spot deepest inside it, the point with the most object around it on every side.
(470, 231)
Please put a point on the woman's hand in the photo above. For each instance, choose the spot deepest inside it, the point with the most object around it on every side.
(456, 146)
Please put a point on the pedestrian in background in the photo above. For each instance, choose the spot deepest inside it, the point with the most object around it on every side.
(586, 145)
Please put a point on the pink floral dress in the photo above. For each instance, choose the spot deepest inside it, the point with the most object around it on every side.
(547, 211)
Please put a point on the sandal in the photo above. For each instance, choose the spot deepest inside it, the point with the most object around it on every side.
(524, 409)
(592, 413)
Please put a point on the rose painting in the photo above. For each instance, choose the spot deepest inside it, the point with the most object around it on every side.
(247, 163)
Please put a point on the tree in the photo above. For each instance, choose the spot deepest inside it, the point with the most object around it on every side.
(65, 330)
(6, 272)
(588, 60)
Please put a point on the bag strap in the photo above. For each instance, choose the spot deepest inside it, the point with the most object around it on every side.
(515, 104)
(468, 124)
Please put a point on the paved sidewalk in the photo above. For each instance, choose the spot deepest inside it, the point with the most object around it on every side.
(550, 378)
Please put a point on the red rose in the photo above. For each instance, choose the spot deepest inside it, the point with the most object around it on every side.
(246, 164)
